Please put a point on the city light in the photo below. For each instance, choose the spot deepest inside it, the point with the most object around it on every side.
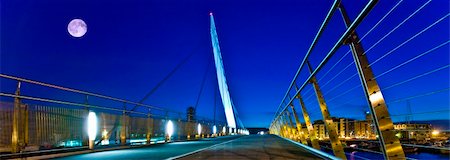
(199, 129)
(105, 140)
(169, 128)
(104, 133)
(435, 132)
(399, 135)
(214, 129)
(92, 125)
(224, 129)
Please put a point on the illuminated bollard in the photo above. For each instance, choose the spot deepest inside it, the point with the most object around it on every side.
(214, 131)
(199, 131)
(169, 130)
(92, 128)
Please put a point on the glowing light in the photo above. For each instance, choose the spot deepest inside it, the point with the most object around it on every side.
(104, 133)
(376, 97)
(214, 129)
(435, 132)
(224, 129)
(399, 135)
(199, 129)
(92, 125)
(353, 145)
(169, 128)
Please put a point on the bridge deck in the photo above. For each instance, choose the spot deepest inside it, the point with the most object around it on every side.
(254, 147)
(229, 147)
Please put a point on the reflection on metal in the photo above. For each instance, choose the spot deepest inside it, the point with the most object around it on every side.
(390, 145)
(309, 126)
(336, 145)
(19, 137)
(300, 133)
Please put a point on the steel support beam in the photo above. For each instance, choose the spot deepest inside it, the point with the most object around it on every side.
(311, 47)
(299, 126)
(336, 145)
(309, 126)
(365, 11)
(390, 145)
(285, 125)
(291, 125)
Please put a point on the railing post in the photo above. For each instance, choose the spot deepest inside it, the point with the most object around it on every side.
(291, 125)
(84, 114)
(299, 126)
(19, 137)
(179, 127)
(149, 127)
(390, 145)
(309, 126)
(285, 125)
(123, 127)
(336, 145)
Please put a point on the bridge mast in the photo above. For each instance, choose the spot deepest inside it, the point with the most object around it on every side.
(222, 82)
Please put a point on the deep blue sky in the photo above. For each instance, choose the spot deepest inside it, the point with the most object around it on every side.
(131, 45)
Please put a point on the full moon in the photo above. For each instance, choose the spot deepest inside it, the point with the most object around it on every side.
(77, 28)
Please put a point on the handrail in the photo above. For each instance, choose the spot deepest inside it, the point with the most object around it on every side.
(347, 33)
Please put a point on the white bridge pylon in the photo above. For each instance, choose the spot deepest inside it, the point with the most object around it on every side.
(222, 81)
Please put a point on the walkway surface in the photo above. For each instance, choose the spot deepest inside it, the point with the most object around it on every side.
(229, 147)
(253, 147)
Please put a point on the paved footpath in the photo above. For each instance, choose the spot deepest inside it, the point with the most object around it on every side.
(253, 147)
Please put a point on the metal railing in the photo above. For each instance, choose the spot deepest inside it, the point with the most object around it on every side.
(49, 124)
(340, 86)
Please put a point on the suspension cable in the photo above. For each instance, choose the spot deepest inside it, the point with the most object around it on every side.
(202, 84)
(160, 83)
(408, 40)
(396, 27)
(375, 26)
(385, 15)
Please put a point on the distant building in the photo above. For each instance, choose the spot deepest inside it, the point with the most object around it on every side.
(347, 128)
(190, 114)
(421, 133)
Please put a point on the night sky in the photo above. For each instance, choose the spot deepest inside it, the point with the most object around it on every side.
(132, 45)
